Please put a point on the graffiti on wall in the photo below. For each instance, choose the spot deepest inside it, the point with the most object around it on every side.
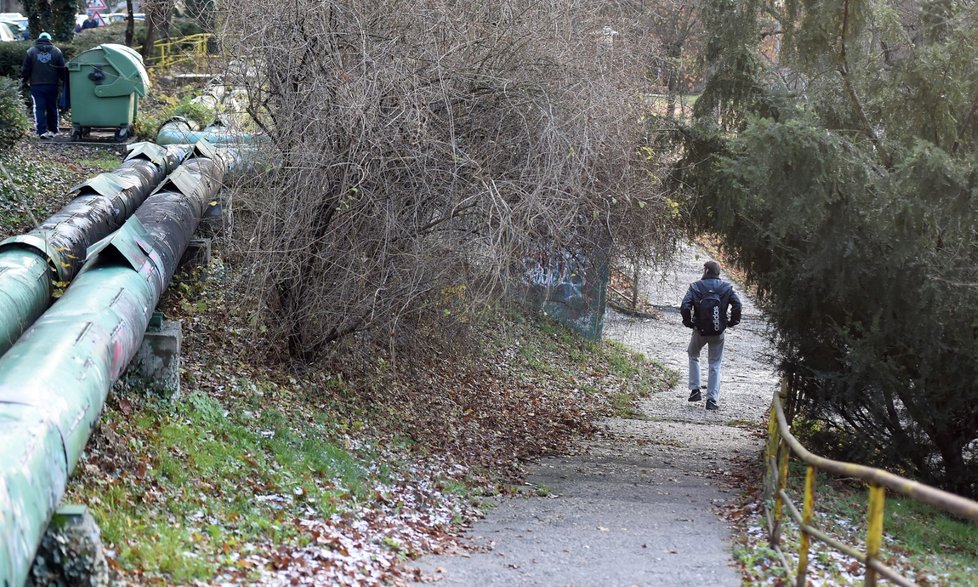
(568, 286)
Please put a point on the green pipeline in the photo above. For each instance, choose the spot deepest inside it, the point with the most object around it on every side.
(54, 380)
(54, 251)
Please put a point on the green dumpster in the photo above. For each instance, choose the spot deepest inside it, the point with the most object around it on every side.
(105, 84)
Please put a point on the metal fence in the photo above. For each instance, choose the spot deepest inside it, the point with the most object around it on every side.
(166, 54)
(782, 445)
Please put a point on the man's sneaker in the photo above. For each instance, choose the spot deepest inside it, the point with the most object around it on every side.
(47, 135)
(694, 395)
(711, 405)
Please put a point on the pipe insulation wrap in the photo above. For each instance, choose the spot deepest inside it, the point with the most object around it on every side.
(101, 205)
(178, 132)
(60, 243)
(54, 380)
(25, 290)
(32, 461)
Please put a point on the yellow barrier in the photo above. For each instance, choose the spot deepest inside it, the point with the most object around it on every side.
(166, 54)
(781, 444)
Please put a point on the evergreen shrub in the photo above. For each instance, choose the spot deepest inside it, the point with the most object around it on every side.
(12, 57)
(852, 207)
(13, 121)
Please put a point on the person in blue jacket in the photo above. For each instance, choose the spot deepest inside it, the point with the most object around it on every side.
(704, 309)
(44, 71)
(89, 23)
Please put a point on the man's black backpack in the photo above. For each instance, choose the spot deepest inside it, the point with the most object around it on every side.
(709, 317)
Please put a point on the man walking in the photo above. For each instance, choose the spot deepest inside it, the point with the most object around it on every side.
(704, 309)
(44, 70)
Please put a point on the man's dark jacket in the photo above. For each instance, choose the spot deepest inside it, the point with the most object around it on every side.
(44, 64)
(728, 298)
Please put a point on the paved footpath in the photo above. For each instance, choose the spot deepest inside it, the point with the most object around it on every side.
(636, 504)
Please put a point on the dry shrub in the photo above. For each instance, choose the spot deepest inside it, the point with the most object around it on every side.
(419, 148)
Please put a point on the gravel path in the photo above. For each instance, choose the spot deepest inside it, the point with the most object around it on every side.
(635, 505)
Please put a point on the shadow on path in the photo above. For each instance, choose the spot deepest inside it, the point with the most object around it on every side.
(636, 504)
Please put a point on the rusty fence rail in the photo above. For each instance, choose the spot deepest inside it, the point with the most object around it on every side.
(780, 447)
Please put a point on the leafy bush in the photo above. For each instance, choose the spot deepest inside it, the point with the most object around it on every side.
(153, 113)
(13, 122)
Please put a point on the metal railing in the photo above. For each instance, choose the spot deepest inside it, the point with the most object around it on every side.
(781, 445)
(166, 54)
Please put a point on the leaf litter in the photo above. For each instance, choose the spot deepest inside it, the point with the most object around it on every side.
(431, 439)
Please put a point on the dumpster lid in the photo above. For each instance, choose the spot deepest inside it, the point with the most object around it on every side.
(129, 63)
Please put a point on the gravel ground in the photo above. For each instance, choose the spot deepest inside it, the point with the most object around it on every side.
(636, 504)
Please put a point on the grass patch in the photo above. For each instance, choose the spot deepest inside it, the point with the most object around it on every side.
(204, 479)
(938, 548)
(107, 161)
(561, 352)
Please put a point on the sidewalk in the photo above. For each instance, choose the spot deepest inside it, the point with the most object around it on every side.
(636, 504)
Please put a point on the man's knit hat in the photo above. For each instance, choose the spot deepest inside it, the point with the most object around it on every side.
(44, 37)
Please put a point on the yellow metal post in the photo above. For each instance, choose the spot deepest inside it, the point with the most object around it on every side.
(806, 517)
(874, 530)
(772, 437)
(783, 452)
(770, 467)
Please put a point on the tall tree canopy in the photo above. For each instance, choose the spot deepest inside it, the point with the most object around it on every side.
(834, 149)
(53, 16)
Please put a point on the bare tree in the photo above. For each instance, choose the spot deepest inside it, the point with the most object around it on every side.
(422, 149)
(158, 15)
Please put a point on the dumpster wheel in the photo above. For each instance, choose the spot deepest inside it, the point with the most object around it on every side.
(123, 133)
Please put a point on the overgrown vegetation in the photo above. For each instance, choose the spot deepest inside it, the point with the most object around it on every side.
(840, 171)
(426, 148)
(161, 108)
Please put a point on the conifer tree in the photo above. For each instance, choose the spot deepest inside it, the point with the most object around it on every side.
(56, 17)
(834, 151)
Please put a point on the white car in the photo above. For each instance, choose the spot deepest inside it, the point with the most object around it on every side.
(6, 32)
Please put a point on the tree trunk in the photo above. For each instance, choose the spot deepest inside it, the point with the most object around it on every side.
(157, 24)
(130, 24)
(672, 83)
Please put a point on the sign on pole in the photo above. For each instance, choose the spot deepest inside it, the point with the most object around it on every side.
(97, 5)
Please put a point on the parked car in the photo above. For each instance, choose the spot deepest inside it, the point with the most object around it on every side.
(6, 32)
(17, 23)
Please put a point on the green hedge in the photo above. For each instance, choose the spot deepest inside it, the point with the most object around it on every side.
(12, 56)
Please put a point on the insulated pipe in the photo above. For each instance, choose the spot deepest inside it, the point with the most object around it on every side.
(55, 250)
(54, 380)
(239, 150)
(180, 131)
